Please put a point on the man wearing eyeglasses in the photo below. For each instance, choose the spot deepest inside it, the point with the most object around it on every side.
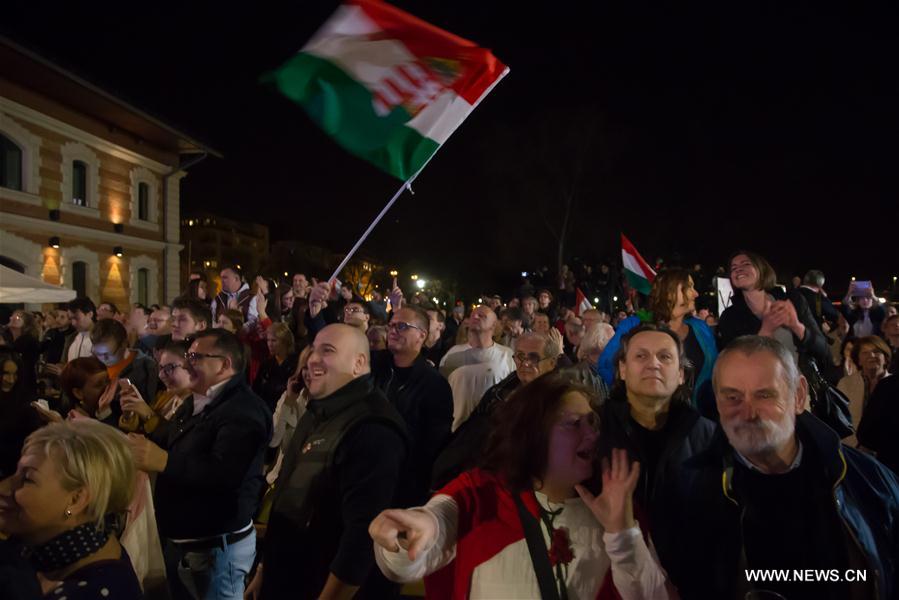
(421, 396)
(535, 354)
(209, 458)
(357, 315)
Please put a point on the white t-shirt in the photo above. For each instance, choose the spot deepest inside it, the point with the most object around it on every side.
(81, 346)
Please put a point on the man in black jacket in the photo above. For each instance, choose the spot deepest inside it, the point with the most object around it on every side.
(779, 493)
(535, 354)
(209, 458)
(340, 471)
(650, 415)
(420, 394)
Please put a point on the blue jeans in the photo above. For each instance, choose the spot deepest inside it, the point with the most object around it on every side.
(216, 573)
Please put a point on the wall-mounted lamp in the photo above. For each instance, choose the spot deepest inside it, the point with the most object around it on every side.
(118, 227)
(54, 242)
(118, 251)
(54, 214)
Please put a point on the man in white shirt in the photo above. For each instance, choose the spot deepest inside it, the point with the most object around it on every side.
(81, 314)
(480, 347)
(475, 367)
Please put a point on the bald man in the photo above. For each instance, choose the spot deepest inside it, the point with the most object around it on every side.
(340, 471)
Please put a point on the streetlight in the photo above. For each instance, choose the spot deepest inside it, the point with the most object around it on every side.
(414, 277)
(420, 283)
(394, 273)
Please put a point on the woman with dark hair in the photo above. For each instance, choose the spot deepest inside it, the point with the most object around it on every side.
(17, 417)
(86, 386)
(871, 358)
(271, 379)
(197, 289)
(759, 307)
(671, 304)
(483, 535)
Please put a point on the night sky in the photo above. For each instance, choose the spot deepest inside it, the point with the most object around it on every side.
(694, 129)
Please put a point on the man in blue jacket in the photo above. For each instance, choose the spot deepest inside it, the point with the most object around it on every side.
(777, 503)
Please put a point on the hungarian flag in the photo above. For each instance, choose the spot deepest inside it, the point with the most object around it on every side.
(638, 272)
(387, 86)
(581, 304)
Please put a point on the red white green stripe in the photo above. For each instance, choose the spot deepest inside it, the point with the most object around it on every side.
(637, 271)
(389, 87)
(581, 304)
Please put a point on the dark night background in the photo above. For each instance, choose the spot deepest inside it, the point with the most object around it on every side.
(694, 129)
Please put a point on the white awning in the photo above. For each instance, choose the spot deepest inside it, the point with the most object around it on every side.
(18, 288)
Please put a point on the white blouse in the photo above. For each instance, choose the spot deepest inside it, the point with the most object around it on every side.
(510, 573)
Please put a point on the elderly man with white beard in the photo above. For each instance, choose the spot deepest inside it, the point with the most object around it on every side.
(778, 493)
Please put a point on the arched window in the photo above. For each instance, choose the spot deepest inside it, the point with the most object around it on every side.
(79, 278)
(79, 183)
(143, 201)
(143, 286)
(10, 164)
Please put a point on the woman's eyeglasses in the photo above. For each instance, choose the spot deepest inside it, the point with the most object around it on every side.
(574, 422)
(169, 369)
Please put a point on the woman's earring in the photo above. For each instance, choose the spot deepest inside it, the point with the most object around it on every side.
(68, 512)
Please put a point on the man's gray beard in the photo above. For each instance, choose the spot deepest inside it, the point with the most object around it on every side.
(760, 436)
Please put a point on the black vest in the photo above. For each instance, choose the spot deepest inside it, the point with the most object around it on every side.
(305, 524)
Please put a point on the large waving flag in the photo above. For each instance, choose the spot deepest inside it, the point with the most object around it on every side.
(638, 272)
(389, 87)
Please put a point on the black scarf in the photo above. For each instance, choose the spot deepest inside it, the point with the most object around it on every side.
(71, 546)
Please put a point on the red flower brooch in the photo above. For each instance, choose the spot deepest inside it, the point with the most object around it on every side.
(560, 551)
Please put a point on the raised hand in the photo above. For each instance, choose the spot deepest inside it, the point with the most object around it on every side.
(418, 529)
(261, 305)
(396, 297)
(130, 399)
(318, 298)
(614, 507)
(556, 336)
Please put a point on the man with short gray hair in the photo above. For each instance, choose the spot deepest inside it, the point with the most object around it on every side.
(535, 354)
(779, 492)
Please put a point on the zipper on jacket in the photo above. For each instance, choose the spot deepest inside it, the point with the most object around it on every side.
(849, 529)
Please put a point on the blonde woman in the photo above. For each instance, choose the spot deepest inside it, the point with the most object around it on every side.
(66, 502)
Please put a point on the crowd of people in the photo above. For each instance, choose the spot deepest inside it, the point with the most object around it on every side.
(291, 439)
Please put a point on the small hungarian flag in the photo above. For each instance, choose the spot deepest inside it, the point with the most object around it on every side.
(387, 86)
(581, 303)
(638, 272)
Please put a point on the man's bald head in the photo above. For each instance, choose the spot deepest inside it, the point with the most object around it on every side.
(339, 355)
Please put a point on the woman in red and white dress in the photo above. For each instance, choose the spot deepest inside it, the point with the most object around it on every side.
(469, 541)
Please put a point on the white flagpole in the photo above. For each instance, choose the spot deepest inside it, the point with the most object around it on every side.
(407, 185)
(349, 256)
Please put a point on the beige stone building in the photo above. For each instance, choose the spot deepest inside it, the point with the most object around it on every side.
(89, 185)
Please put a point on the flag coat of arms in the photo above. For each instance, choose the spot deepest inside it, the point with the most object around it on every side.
(387, 86)
(637, 271)
(581, 304)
